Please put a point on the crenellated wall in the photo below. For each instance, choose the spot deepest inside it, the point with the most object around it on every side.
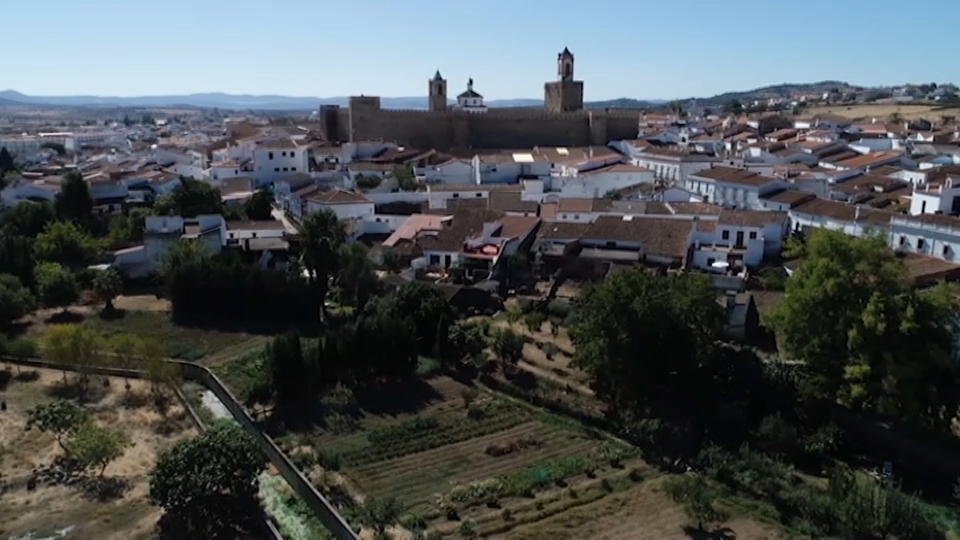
(364, 120)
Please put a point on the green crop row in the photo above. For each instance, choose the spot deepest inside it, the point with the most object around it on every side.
(402, 432)
(522, 483)
(440, 436)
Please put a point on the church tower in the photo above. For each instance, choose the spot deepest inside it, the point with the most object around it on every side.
(566, 94)
(438, 93)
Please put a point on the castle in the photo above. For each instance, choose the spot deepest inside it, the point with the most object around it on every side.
(561, 122)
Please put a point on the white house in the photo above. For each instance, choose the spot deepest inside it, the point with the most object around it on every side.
(161, 231)
(277, 158)
(600, 181)
(347, 205)
(733, 187)
(666, 163)
(453, 172)
(238, 231)
(839, 216)
(222, 170)
(739, 238)
(927, 234)
(471, 101)
(439, 195)
(940, 198)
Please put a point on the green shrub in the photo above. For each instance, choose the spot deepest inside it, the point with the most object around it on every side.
(415, 427)
(368, 181)
(329, 458)
(559, 308)
(468, 529)
(534, 321)
(427, 367)
(549, 350)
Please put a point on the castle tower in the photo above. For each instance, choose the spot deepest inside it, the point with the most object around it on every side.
(438, 93)
(566, 94)
(565, 65)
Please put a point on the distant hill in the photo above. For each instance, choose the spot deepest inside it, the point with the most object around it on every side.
(782, 91)
(9, 98)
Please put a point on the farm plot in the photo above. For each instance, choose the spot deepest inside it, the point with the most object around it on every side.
(471, 462)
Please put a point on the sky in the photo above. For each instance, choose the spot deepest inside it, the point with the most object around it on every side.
(643, 49)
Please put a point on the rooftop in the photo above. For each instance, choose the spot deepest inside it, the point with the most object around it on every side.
(338, 196)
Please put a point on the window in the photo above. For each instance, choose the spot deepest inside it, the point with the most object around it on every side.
(283, 154)
(576, 216)
(270, 155)
(725, 235)
(284, 169)
(479, 195)
(903, 240)
(710, 261)
(434, 259)
(753, 235)
(920, 243)
(254, 235)
(276, 169)
(611, 244)
(291, 154)
(294, 169)
(946, 250)
(456, 195)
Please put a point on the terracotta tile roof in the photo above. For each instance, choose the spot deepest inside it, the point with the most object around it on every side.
(659, 236)
(563, 230)
(843, 212)
(277, 143)
(516, 226)
(879, 158)
(463, 225)
(575, 205)
(869, 182)
(228, 164)
(414, 225)
(705, 225)
(548, 210)
(781, 134)
(508, 201)
(615, 168)
(790, 197)
(236, 185)
(730, 175)
(695, 208)
(339, 196)
(885, 170)
(751, 218)
(941, 220)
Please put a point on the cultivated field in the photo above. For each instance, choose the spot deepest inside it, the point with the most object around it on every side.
(507, 471)
(883, 112)
(35, 500)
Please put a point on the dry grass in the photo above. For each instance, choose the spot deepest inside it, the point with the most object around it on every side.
(49, 508)
(883, 112)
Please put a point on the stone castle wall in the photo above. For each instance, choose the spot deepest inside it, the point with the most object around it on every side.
(495, 129)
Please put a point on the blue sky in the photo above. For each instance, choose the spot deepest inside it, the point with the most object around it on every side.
(641, 48)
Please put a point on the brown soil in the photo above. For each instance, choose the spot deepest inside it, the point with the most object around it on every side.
(49, 508)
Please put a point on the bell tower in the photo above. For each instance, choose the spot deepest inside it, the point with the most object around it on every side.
(566, 93)
(438, 93)
(565, 65)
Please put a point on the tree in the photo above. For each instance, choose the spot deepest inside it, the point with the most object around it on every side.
(56, 286)
(6, 161)
(161, 373)
(107, 284)
(190, 199)
(65, 243)
(260, 205)
(508, 345)
(425, 306)
(379, 513)
(733, 107)
(368, 181)
(466, 340)
(644, 339)
(323, 234)
(15, 299)
(75, 345)
(126, 349)
(94, 446)
(209, 481)
(392, 260)
(61, 418)
(74, 202)
(27, 218)
(867, 339)
(357, 279)
(16, 255)
(183, 253)
(697, 496)
(406, 178)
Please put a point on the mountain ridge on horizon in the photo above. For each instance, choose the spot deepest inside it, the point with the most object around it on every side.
(276, 102)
